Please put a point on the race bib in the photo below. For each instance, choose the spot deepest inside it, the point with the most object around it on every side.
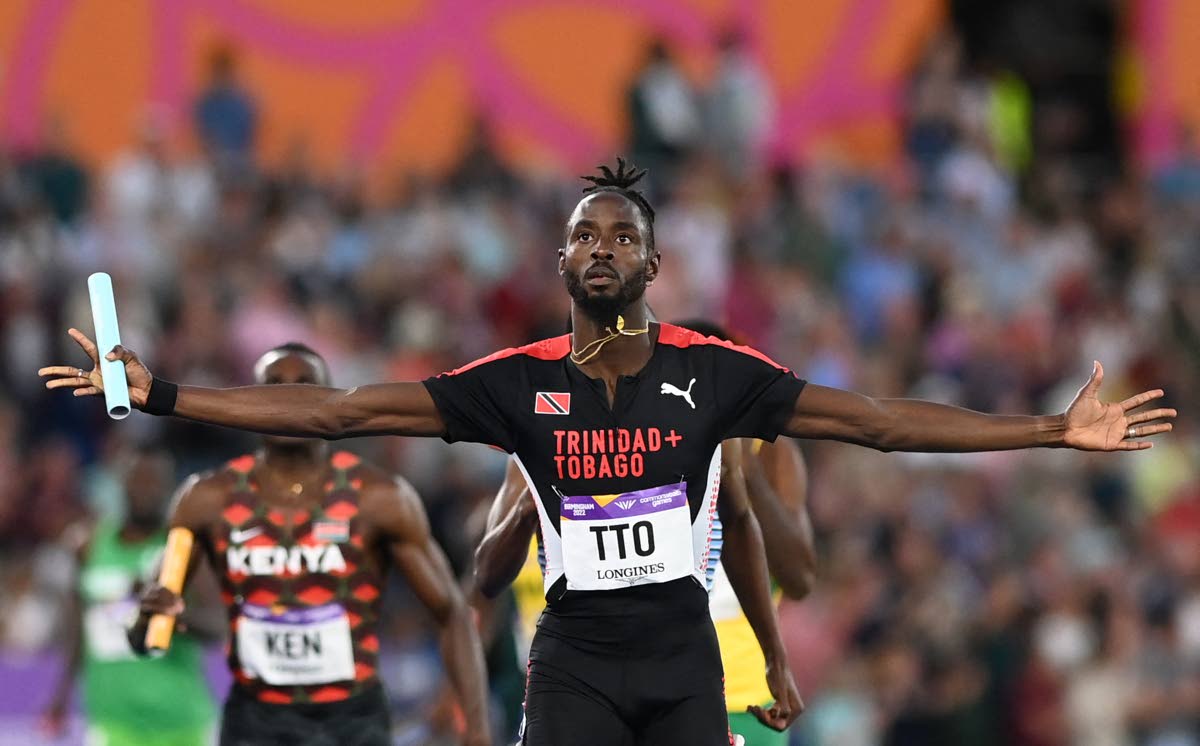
(295, 646)
(635, 538)
(104, 627)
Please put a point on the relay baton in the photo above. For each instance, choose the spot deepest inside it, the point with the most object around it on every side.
(170, 576)
(104, 317)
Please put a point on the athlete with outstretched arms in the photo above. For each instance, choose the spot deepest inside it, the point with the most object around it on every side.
(764, 484)
(617, 427)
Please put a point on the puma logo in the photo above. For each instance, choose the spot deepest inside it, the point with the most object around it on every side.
(239, 537)
(673, 390)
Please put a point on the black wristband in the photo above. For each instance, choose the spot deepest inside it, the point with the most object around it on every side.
(161, 399)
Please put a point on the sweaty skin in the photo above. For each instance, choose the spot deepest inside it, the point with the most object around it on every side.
(397, 531)
(606, 249)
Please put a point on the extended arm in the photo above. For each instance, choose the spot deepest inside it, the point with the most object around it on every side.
(397, 511)
(303, 410)
(914, 425)
(299, 410)
(510, 525)
(746, 566)
(777, 488)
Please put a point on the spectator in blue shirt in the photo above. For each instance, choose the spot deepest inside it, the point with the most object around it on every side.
(226, 117)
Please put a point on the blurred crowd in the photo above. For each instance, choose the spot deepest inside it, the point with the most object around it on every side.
(1029, 598)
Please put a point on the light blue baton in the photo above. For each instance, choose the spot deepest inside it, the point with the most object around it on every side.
(108, 336)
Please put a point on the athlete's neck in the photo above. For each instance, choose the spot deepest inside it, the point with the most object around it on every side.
(622, 355)
(294, 461)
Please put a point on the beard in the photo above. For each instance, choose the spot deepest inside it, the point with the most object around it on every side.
(604, 309)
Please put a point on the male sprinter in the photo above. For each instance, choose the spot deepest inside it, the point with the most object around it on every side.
(770, 479)
(127, 701)
(301, 540)
(633, 409)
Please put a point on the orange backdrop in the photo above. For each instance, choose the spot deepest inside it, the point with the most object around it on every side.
(397, 82)
(1164, 91)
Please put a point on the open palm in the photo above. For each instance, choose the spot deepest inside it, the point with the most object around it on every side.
(91, 383)
(1093, 425)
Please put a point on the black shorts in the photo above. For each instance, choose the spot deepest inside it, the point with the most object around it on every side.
(663, 688)
(361, 720)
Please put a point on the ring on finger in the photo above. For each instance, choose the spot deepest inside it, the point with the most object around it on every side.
(1131, 432)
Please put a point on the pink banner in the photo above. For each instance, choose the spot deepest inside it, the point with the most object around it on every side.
(400, 82)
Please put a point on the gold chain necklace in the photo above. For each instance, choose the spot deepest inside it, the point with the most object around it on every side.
(581, 357)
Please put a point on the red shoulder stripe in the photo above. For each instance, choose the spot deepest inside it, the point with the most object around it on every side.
(242, 464)
(555, 348)
(343, 460)
(677, 336)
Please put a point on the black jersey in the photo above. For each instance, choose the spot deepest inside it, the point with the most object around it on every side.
(626, 493)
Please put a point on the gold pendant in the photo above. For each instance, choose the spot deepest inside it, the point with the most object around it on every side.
(297, 488)
(582, 356)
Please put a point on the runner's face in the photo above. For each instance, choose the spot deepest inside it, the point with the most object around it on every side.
(606, 264)
(289, 367)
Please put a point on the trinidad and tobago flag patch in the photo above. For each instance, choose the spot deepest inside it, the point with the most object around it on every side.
(552, 402)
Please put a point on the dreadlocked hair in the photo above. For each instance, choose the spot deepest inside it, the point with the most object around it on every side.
(621, 182)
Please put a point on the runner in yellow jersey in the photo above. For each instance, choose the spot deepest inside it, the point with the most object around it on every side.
(773, 478)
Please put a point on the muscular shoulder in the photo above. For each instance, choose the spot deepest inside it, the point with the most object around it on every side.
(389, 502)
(719, 351)
(555, 348)
(200, 498)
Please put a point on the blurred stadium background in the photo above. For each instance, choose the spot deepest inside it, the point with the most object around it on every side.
(963, 200)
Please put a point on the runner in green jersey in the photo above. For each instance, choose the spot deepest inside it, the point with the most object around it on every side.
(127, 700)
